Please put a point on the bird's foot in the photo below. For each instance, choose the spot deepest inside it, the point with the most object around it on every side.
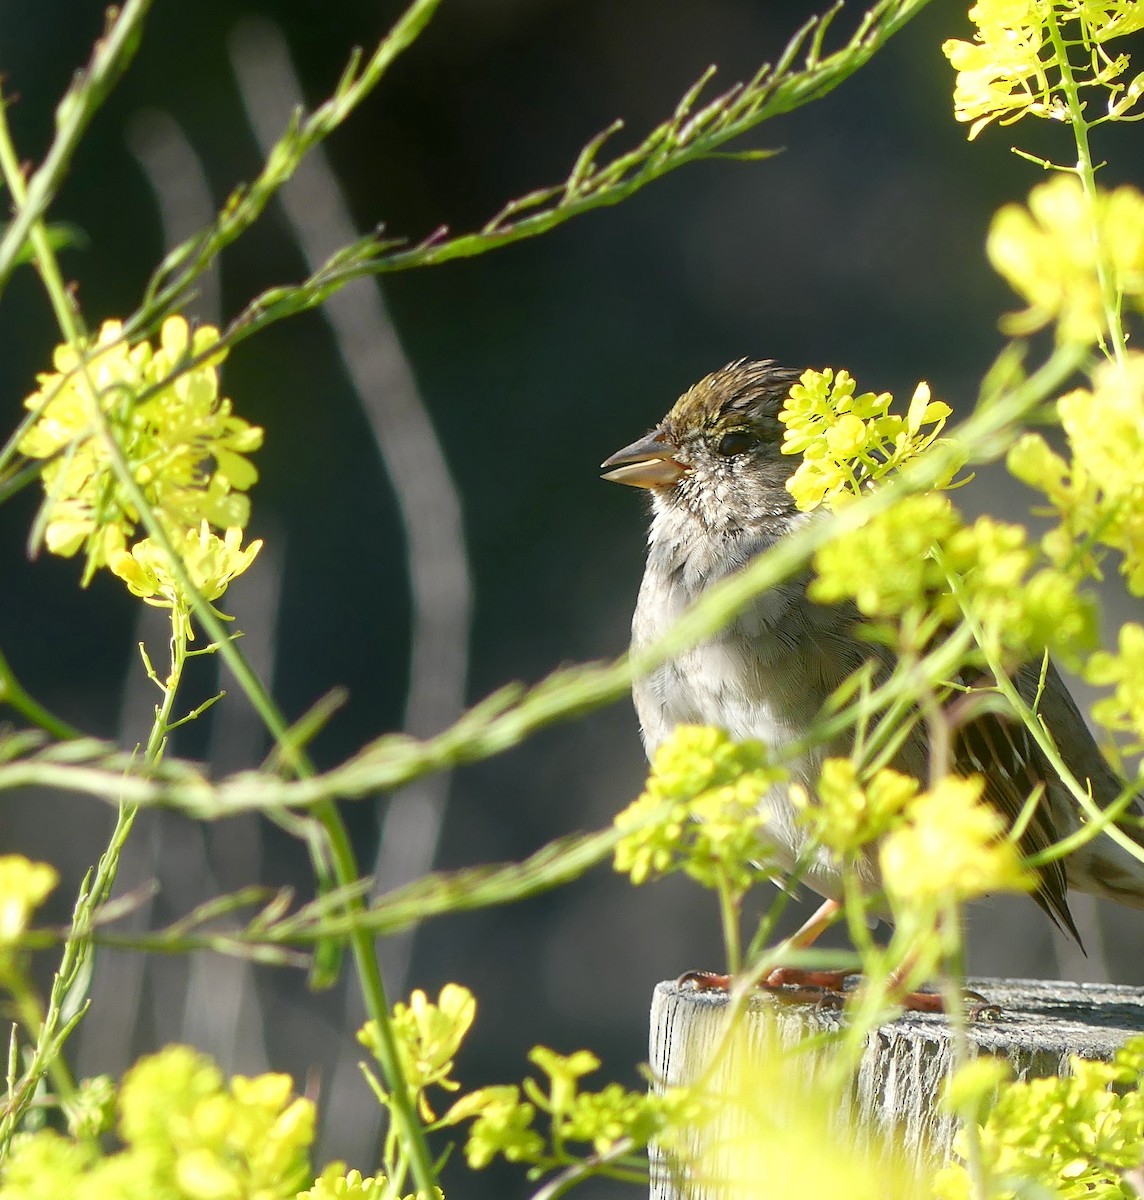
(977, 1007)
(829, 981)
(704, 981)
(824, 988)
(827, 989)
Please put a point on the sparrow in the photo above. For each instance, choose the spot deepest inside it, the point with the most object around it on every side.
(716, 475)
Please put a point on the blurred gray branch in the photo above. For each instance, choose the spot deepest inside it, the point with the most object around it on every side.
(427, 500)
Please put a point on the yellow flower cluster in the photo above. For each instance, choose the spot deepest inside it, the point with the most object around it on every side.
(114, 406)
(1000, 75)
(898, 567)
(502, 1124)
(950, 849)
(943, 844)
(1123, 671)
(428, 1037)
(846, 813)
(703, 811)
(1098, 493)
(1071, 1136)
(1021, 607)
(212, 562)
(503, 1119)
(24, 886)
(335, 1183)
(849, 442)
(1011, 69)
(187, 1133)
(1053, 252)
(888, 567)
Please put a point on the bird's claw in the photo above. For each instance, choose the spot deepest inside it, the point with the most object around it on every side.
(704, 981)
(831, 1001)
(984, 1012)
(978, 1008)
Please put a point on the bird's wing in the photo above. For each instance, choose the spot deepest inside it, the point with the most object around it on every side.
(1004, 755)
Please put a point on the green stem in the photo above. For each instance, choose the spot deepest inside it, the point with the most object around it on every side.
(954, 1002)
(40, 1025)
(1086, 172)
(12, 693)
(31, 1015)
(157, 738)
(759, 945)
(1090, 829)
(596, 1164)
(377, 1005)
(111, 56)
(62, 304)
(509, 716)
(66, 1001)
(590, 185)
(344, 864)
(172, 282)
(729, 903)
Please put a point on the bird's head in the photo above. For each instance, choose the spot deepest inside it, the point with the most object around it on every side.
(717, 454)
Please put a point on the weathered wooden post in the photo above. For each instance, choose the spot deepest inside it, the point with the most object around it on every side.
(1040, 1025)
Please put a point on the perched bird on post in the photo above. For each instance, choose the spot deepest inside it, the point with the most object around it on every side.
(716, 476)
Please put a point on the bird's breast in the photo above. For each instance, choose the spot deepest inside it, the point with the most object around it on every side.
(765, 676)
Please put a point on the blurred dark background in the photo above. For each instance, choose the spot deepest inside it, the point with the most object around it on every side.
(859, 246)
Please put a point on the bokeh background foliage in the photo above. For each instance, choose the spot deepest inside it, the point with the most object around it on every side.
(859, 244)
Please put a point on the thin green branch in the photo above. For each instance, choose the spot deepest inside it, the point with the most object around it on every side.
(67, 1000)
(43, 254)
(599, 1163)
(174, 278)
(1086, 172)
(512, 714)
(687, 136)
(110, 57)
(15, 696)
(275, 935)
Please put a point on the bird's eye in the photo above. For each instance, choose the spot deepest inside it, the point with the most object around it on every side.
(735, 442)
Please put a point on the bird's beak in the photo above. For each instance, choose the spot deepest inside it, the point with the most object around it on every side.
(648, 463)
